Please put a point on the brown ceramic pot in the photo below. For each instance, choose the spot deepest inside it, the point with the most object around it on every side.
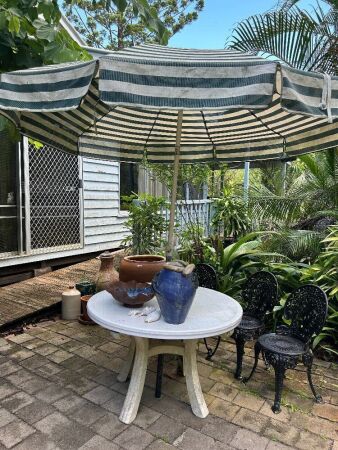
(84, 315)
(141, 268)
(107, 273)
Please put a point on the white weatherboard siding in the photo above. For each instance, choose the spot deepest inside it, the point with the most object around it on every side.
(103, 222)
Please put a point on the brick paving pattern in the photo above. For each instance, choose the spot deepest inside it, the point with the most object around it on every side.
(58, 390)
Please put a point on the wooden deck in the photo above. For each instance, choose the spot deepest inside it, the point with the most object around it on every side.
(21, 300)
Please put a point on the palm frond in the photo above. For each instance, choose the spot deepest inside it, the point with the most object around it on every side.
(299, 39)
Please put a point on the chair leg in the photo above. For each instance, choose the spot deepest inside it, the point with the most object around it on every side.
(159, 376)
(240, 342)
(210, 351)
(307, 361)
(257, 352)
(279, 379)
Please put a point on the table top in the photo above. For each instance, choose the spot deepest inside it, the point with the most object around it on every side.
(212, 313)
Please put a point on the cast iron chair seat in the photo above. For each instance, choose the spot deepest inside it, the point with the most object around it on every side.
(283, 344)
(260, 296)
(250, 323)
(306, 311)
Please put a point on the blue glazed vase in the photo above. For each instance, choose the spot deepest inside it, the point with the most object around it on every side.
(175, 294)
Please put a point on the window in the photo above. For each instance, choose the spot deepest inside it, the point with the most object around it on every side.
(128, 182)
(8, 193)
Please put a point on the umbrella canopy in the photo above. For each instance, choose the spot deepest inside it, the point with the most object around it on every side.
(236, 106)
(175, 105)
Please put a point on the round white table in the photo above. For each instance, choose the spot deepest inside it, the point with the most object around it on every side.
(212, 313)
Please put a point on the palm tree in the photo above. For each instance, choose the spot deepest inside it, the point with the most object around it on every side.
(311, 192)
(301, 39)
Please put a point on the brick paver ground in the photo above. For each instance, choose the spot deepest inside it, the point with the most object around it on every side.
(58, 390)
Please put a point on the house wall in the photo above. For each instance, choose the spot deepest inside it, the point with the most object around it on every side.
(102, 219)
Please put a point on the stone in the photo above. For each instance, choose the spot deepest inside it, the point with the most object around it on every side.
(48, 369)
(251, 420)
(109, 426)
(133, 438)
(59, 356)
(222, 376)
(167, 429)
(219, 429)
(35, 411)
(192, 439)
(248, 401)
(109, 347)
(17, 401)
(37, 441)
(282, 432)
(146, 417)
(327, 411)
(34, 362)
(99, 395)
(14, 432)
(310, 441)
(19, 377)
(283, 416)
(6, 417)
(223, 409)
(99, 443)
(69, 403)
(6, 390)
(66, 433)
(247, 440)
(52, 393)
(277, 446)
(160, 445)
(35, 384)
(88, 414)
(21, 355)
(46, 349)
(8, 367)
(115, 404)
(226, 392)
(20, 338)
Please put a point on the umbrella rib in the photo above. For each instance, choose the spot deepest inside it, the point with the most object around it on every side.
(207, 130)
(270, 129)
(152, 127)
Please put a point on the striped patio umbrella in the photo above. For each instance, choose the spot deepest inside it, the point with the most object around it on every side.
(175, 105)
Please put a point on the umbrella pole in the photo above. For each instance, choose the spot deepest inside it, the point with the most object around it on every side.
(169, 252)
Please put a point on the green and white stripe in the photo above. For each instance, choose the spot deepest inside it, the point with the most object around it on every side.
(236, 106)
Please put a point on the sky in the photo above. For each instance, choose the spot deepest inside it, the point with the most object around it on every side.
(216, 21)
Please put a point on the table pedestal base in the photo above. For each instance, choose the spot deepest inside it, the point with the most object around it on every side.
(139, 351)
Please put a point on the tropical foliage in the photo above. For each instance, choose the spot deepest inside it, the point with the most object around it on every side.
(305, 39)
(31, 34)
(230, 217)
(117, 27)
(147, 225)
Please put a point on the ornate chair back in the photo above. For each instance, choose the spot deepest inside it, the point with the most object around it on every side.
(206, 275)
(260, 294)
(306, 308)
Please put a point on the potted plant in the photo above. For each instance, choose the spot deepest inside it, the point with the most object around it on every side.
(85, 286)
(148, 230)
(230, 217)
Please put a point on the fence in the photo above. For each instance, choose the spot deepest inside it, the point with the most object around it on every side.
(197, 212)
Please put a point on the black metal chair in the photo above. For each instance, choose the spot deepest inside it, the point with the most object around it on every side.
(260, 295)
(306, 309)
(207, 278)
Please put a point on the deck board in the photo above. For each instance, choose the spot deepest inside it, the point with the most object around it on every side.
(30, 296)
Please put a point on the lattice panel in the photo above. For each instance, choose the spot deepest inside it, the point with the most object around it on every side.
(54, 200)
